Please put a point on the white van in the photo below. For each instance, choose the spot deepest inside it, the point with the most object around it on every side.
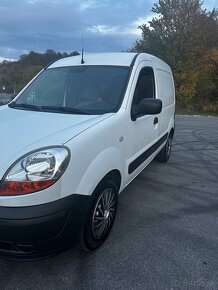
(72, 140)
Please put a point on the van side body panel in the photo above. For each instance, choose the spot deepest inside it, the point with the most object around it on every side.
(166, 93)
(105, 152)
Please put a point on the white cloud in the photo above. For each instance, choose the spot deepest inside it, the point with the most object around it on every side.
(87, 5)
(104, 29)
(141, 20)
(131, 29)
(33, 1)
(113, 30)
(8, 59)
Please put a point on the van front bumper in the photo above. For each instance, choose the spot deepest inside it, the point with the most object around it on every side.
(42, 230)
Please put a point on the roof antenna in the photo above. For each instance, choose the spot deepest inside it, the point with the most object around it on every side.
(82, 60)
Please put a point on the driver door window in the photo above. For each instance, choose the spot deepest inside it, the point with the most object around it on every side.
(145, 87)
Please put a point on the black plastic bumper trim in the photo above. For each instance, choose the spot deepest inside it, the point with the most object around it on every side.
(35, 231)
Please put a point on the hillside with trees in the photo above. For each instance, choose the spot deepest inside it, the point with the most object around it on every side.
(182, 33)
(186, 36)
(15, 75)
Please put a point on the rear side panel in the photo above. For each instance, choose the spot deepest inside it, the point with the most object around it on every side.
(166, 92)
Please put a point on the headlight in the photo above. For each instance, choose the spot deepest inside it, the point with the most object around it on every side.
(35, 171)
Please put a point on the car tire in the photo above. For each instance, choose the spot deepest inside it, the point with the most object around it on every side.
(100, 216)
(164, 154)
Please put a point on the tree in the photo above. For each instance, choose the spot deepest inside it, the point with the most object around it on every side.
(15, 75)
(182, 34)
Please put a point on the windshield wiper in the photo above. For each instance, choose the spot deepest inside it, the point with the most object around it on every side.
(64, 110)
(24, 106)
(48, 108)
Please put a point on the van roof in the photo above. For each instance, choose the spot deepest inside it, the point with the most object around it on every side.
(116, 58)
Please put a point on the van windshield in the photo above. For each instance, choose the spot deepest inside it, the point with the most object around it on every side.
(79, 89)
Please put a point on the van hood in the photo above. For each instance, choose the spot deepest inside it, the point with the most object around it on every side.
(22, 131)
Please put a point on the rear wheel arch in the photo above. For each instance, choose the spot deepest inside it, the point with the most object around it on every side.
(172, 132)
(165, 152)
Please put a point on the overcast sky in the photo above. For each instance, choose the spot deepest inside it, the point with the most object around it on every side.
(107, 25)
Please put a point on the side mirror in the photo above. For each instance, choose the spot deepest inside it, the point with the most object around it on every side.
(147, 106)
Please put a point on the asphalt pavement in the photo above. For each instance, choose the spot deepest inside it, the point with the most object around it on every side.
(165, 235)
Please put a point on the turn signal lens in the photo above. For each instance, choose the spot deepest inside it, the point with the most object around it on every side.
(17, 187)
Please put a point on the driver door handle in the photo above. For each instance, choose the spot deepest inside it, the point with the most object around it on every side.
(155, 120)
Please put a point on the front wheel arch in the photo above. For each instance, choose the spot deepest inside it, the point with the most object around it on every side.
(87, 238)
